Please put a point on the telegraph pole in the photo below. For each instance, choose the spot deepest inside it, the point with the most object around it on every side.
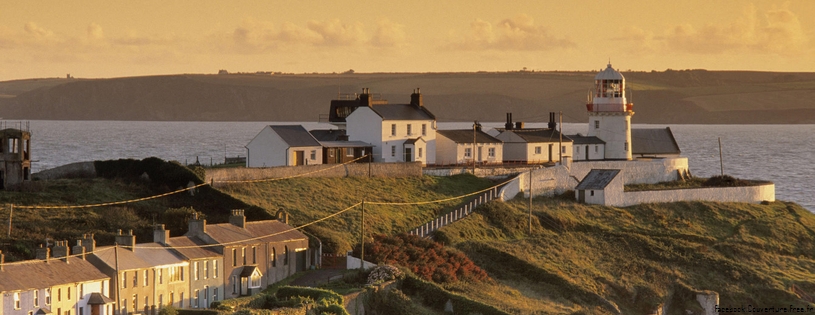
(11, 212)
(721, 162)
(530, 202)
(116, 279)
(561, 138)
(472, 154)
(362, 240)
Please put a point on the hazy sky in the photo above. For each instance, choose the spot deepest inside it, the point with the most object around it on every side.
(142, 37)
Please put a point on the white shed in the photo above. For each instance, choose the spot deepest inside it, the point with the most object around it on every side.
(283, 145)
(601, 187)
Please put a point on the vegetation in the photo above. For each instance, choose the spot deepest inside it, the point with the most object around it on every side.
(697, 182)
(596, 259)
(340, 233)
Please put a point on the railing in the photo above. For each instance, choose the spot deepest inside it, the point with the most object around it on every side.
(425, 229)
(610, 107)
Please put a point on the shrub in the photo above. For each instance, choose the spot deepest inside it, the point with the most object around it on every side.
(168, 310)
(384, 273)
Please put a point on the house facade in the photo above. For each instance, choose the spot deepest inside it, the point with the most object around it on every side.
(397, 132)
(533, 146)
(15, 157)
(467, 145)
(587, 148)
(54, 285)
(255, 254)
(602, 187)
(283, 145)
(204, 274)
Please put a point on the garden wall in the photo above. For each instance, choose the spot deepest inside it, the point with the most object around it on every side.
(413, 169)
(750, 194)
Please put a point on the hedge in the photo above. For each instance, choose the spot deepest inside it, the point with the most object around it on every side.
(436, 297)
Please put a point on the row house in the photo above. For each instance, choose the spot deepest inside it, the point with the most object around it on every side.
(150, 275)
(255, 254)
(206, 283)
(467, 145)
(55, 284)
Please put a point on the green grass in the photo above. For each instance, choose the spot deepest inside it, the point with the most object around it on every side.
(586, 258)
(309, 199)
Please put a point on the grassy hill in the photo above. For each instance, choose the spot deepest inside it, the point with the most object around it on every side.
(688, 96)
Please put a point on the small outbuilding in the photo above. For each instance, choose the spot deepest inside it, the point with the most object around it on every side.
(601, 187)
(283, 145)
(462, 146)
(15, 157)
(587, 148)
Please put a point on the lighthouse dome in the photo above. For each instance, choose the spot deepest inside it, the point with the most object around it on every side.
(609, 74)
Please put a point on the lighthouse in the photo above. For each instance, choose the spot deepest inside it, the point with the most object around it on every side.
(610, 114)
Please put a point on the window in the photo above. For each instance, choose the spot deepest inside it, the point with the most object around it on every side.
(215, 269)
(596, 148)
(36, 298)
(206, 269)
(596, 124)
(215, 294)
(135, 279)
(349, 152)
(69, 293)
(424, 129)
(409, 129)
(161, 300)
(537, 150)
(491, 152)
(563, 149)
(160, 276)
(195, 270)
(626, 146)
(234, 257)
(393, 150)
(254, 281)
(206, 292)
(234, 284)
(16, 300)
(175, 273)
(59, 295)
(331, 152)
(81, 291)
(313, 154)
(47, 296)
(243, 254)
(146, 273)
(420, 152)
(592, 193)
(124, 279)
(195, 298)
(254, 255)
(468, 152)
(135, 302)
(393, 129)
(577, 148)
(286, 255)
(274, 253)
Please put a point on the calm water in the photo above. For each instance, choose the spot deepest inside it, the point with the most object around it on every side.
(784, 154)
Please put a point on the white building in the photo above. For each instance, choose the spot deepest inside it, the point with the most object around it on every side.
(283, 145)
(534, 146)
(601, 187)
(462, 146)
(398, 132)
(587, 148)
(610, 114)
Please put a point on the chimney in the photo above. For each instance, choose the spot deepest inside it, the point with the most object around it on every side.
(89, 243)
(477, 126)
(508, 125)
(366, 99)
(519, 125)
(416, 98)
(161, 235)
(2, 261)
(552, 123)
(43, 253)
(61, 250)
(237, 218)
(282, 216)
(197, 226)
(128, 241)
(342, 138)
(79, 249)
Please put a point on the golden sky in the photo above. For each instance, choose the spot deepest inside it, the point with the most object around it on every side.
(103, 38)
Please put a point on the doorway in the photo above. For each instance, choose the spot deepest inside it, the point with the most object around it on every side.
(408, 154)
(299, 158)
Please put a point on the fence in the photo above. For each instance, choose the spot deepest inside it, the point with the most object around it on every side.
(425, 229)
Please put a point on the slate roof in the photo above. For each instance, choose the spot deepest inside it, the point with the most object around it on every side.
(402, 112)
(466, 136)
(414, 140)
(38, 274)
(188, 246)
(255, 232)
(597, 179)
(99, 299)
(653, 142)
(247, 271)
(327, 134)
(295, 135)
(146, 255)
(540, 135)
(581, 139)
(344, 144)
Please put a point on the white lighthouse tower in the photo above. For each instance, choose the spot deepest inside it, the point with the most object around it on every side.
(610, 114)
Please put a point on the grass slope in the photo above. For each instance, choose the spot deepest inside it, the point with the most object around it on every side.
(309, 199)
(596, 259)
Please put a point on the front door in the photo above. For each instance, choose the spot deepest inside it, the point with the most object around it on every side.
(587, 153)
(299, 158)
(408, 154)
(479, 155)
(581, 196)
(551, 147)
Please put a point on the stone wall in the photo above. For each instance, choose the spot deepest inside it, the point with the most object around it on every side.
(751, 194)
(547, 181)
(324, 170)
(642, 171)
(485, 172)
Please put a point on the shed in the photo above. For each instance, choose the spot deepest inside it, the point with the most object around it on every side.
(283, 145)
(601, 186)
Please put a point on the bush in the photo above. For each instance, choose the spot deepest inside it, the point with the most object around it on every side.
(168, 310)
(426, 258)
(436, 297)
(319, 295)
(384, 273)
(392, 302)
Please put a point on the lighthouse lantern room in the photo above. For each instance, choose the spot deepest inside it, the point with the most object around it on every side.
(610, 114)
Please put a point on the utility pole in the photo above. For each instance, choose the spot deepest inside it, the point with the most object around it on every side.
(721, 161)
(472, 154)
(530, 202)
(561, 138)
(116, 279)
(362, 240)
(11, 212)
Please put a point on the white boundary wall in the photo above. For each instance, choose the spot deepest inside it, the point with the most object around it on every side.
(642, 171)
(751, 194)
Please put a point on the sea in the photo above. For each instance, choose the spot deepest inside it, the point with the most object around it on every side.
(784, 154)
